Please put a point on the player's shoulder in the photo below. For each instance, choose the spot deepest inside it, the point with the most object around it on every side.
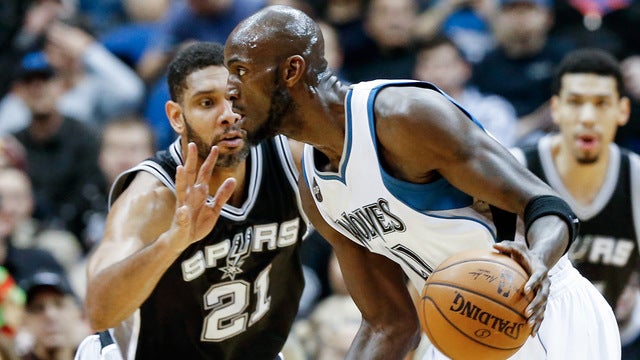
(144, 187)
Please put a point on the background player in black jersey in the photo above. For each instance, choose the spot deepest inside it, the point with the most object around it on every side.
(200, 255)
(599, 180)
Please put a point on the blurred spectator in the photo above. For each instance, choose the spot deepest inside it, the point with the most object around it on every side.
(332, 49)
(315, 253)
(7, 349)
(204, 20)
(98, 86)
(442, 63)
(61, 152)
(23, 230)
(466, 22)
(12, 300)
(330, 328)
(346, 17)
(15, 205)
(128, 41)
(606, 24)
(12, 14)
(629, 136)
(627, 312)
(54, 317)
(126, 141)
(521, 67)
(14, 113)
(22, 24)
(302, 5)
(12, 153)
(95, 83)
(102, 15)
(386, 52)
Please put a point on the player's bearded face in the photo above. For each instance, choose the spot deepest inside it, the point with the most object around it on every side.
(281, 105)
(225, 159)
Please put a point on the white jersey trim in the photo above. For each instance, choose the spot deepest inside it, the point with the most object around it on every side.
(584, 212)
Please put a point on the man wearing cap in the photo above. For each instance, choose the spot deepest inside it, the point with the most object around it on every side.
(33, 68)
(53, 317)
(62, 152)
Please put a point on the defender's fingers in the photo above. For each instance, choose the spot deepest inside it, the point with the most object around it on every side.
(191, 163)
(223, 194)
(181, 184)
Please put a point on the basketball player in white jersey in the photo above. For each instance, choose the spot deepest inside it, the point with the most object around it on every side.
(393, 181)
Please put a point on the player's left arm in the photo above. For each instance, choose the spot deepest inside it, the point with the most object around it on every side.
(389, 327)
(437, 138)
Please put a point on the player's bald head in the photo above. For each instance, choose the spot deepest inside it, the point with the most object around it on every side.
(277, 32)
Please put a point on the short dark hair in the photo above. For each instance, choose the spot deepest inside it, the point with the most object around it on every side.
(588, 61)
(440, 39)
(191, 58)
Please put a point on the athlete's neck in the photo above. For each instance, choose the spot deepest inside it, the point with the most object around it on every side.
(220, 174)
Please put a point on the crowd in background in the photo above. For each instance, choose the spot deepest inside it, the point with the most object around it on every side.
(82, 94)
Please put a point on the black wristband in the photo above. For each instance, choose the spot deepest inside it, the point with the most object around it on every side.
(543, 205)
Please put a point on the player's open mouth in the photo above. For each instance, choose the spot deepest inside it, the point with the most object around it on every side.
(587, 141)
(232, 139)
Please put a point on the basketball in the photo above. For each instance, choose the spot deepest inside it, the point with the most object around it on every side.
(472, 306)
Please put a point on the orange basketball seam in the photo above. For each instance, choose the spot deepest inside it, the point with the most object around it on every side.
(475, 293)
(517, 270)
(465, 335)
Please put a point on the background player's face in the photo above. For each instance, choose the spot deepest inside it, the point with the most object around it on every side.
(588, 111)
(209, 119)
(253, 87)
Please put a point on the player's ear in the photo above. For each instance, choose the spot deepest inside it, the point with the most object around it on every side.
(625, 111)
(294, 68)
(174, 114)
(553, 107)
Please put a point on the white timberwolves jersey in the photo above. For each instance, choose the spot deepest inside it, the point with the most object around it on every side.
(415, 225)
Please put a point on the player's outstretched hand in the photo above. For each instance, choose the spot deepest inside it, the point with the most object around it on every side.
(196, 214)
(538, 283)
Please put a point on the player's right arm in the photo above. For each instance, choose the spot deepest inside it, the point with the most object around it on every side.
(131, 257)
(147, 229)
(390, 327)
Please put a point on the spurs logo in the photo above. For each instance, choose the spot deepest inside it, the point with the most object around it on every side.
(237, 253)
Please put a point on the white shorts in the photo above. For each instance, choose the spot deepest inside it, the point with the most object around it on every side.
(578, 323)
(98, 347)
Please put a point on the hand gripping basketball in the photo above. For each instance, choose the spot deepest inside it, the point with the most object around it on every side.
(473, 304)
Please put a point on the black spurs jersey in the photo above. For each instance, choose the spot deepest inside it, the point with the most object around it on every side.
(234, 294)
(606, 250)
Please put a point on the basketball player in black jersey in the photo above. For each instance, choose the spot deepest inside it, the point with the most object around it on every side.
(200, 255)
(600, 180)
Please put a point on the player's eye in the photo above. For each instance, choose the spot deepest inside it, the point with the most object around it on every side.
(241, 71)
(206, 102)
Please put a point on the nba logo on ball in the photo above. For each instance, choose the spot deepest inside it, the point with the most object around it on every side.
(473, 304)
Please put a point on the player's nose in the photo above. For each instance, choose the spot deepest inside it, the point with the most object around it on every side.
(228, 115)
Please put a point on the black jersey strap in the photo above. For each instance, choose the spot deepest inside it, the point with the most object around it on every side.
(543, 205)
(105, 338)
